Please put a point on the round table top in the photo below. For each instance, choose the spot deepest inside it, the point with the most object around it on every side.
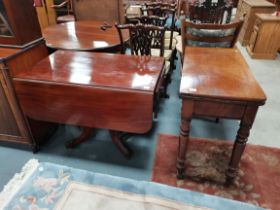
(82, 35)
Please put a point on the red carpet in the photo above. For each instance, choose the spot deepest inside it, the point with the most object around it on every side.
(258, 181)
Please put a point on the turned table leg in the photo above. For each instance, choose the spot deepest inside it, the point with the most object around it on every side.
(85, 135)
(186, 115)
(240, 142)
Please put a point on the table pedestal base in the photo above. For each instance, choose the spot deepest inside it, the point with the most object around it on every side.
(115, 135)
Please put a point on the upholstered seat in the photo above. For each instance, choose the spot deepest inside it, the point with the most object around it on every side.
(133, 11)
(167, 43)
(207, 35)
(166, 67)
(166, 54)
(167, 34)
(179, 44)
(210, 35)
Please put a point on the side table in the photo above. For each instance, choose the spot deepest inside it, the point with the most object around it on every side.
(216, 82)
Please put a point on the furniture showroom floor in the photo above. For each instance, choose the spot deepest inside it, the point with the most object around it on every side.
(100, 155)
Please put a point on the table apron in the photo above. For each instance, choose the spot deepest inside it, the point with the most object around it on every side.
(218, 109)
(109, 108)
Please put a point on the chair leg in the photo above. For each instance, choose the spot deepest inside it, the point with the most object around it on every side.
(165, 95)
(174, 57)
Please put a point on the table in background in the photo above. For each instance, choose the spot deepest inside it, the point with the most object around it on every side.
(85, 35)
(216, 82)
(93, 90)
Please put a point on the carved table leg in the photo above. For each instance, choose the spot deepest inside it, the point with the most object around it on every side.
(240, 142)
(118, 141)
(187, 110)
(85, 135)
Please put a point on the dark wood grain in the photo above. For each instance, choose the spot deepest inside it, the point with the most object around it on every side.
(7, 52)
(82, 35)
(23, 21)
(92, 90)
(15, 127)
(218, 83)
(107, 10)
(8, 124)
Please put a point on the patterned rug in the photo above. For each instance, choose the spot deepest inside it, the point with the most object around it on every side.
(258, 180)
(45, 186)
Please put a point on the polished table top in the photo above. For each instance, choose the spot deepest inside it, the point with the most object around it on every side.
(219, 73)
(98, 90)
(82, 35)
(98, 69)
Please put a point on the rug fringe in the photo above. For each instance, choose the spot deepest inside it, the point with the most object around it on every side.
(16, 182)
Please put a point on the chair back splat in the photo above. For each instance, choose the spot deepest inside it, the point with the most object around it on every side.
(143, 38)
(148, 40)
(208, 11)
(209, 34)
(152, 20)
(163, 9)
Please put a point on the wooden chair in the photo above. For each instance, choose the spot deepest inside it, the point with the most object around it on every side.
(106, 10)
(64, 11)
(207, 11)
(168, 54)
(151, 20)
(145, 40)
(208, 34)
(164, 10)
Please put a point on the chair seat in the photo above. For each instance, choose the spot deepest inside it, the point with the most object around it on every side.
(167, 53)
(133, 11)
(167, 34)
(179, 46)
(65, 18)
(167, 43)
(166, 67)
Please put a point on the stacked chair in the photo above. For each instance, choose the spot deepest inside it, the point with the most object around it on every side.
(207, 24)
(150, 35)
(210, 12)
